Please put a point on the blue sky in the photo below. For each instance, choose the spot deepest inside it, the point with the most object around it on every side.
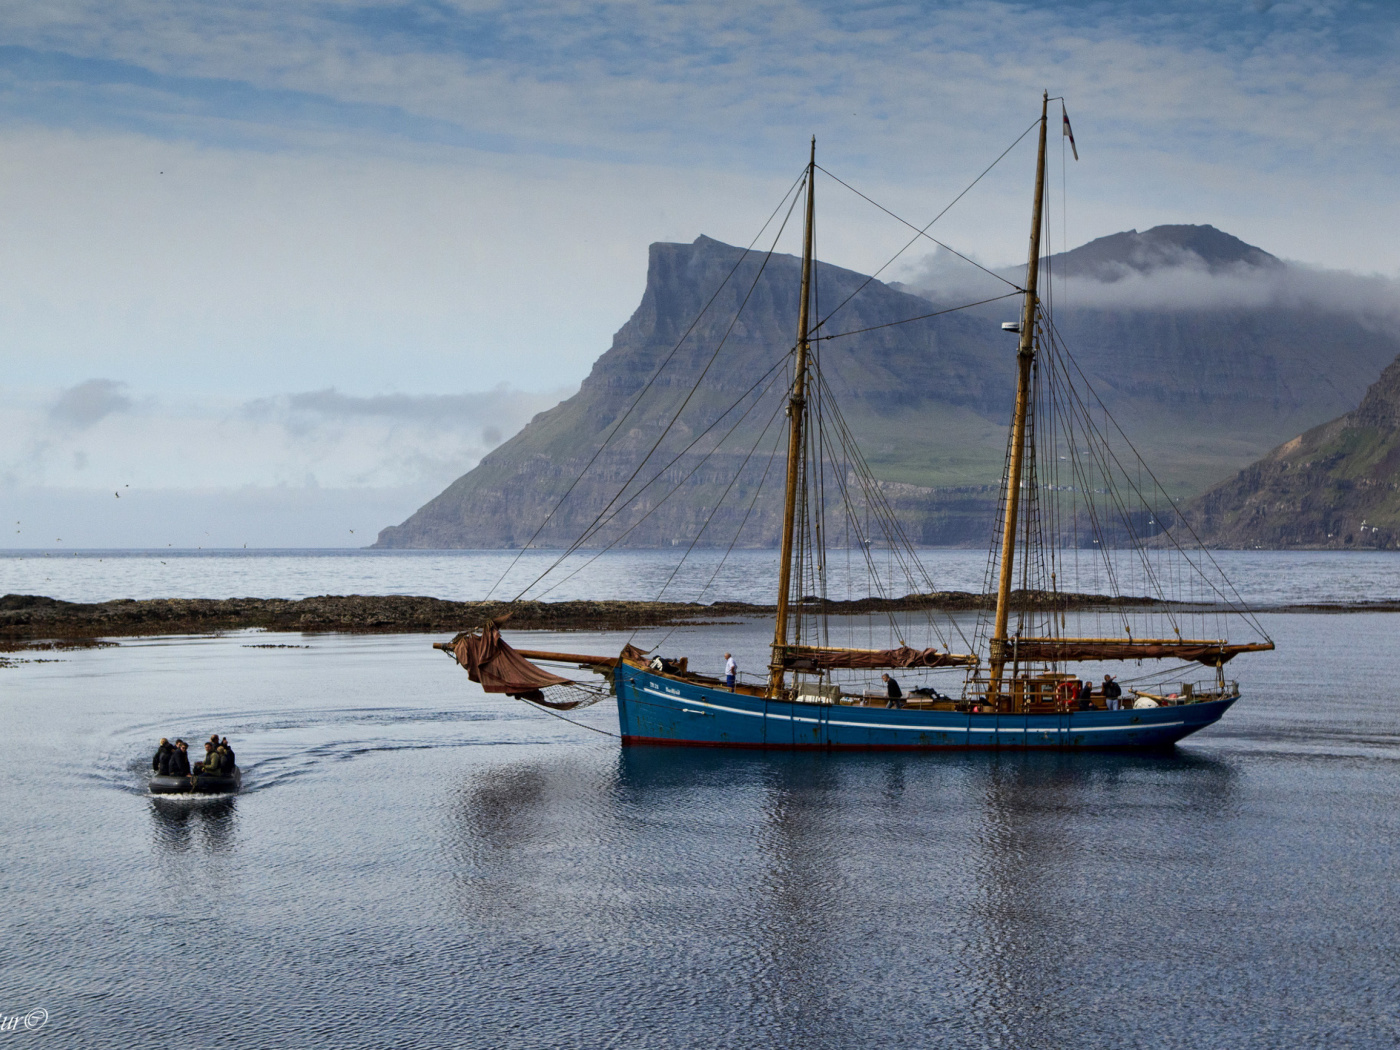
(218, 205)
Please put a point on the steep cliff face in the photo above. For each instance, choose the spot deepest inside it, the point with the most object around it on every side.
(1336, 486)
(885, 381)
(1201, 392)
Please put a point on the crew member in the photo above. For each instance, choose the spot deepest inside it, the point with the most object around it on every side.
(731, 671)
(893, 692)
(1111, 692)
(1086, 695)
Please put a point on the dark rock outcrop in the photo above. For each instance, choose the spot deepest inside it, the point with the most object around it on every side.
(26, 617)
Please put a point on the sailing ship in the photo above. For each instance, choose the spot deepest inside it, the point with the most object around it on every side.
(1018, 689)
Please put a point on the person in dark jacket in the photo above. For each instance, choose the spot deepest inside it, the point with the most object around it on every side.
(180, 760)
(160, 761)
(229, 762)
(893, 692)
(1111, 693)
(1086, 695)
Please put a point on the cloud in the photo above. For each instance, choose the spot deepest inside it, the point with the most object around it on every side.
(87, 403)
(1372, 299)
(502, 404)
(1191, 284)
(713, 81)
(221, 200)
(253, 196)
(315, 448)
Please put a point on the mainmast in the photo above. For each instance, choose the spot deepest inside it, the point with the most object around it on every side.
(797, 411)
(1025, 355)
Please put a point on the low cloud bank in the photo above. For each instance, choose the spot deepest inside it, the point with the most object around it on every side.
(1190, 285)
(98, 465)
(502, 405)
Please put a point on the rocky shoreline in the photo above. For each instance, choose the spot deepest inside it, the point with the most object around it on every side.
(26, 618)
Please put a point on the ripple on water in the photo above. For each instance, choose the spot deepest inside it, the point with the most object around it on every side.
(413, 864)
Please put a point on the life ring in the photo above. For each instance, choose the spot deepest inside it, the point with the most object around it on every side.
(1067, 692)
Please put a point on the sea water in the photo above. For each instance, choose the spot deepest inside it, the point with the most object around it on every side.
(412, 863)
(1261, 577)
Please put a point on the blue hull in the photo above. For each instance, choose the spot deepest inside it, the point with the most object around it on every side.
(655, 709)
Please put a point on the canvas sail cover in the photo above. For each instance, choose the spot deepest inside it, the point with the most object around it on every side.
(1212, 653)
(499, 668)
(816, 658)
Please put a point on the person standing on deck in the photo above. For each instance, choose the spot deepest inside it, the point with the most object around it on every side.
(1111, 692)
(1086, 696)
(731, 672)
(892, 690)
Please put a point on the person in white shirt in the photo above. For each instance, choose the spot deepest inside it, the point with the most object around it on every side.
(731, 671)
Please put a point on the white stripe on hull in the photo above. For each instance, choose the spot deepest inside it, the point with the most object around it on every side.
(648, 705)
(905, 728)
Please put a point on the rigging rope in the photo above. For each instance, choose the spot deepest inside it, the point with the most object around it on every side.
(921, 232)
(1233, 599)
(572, 722)
(667, 429)
(924, 232)
(921, 317)
(676, 488)
(758, 490)
(797, 183)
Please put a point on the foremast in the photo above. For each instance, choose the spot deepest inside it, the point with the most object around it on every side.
(1025, 357)
(797, 412)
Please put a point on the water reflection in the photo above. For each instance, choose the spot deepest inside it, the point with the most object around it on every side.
(808, 886)
(803, 902)
(181, 825)
(1063, 839)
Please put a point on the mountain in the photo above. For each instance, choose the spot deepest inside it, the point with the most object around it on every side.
(884, 381)
(1120, 255)
(1337, 486)
(1202, 390)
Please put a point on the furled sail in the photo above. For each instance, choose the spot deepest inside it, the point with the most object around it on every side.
(820, 658)
(1212, 653)
(500, 669)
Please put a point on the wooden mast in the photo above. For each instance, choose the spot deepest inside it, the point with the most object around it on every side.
(1025, 354)
(797, 410)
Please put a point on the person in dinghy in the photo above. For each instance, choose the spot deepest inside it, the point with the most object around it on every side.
(216, 774)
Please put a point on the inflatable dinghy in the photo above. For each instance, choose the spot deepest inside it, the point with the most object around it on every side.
(197, 783)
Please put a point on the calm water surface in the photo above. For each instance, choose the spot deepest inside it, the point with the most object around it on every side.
(413, 864)
(1262, 577)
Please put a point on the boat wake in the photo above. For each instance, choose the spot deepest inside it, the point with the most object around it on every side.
(275, 749)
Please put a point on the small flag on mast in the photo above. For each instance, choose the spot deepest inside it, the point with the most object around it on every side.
(1068, 131)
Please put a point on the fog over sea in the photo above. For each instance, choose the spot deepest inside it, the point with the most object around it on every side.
(412, 863)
